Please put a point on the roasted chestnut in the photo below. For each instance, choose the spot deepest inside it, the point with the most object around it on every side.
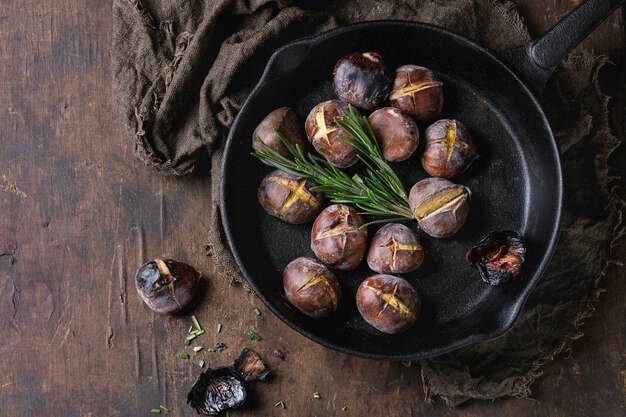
(337, 237)
(499, 256)
(449, 149)
(216, 391)
(396, 133)
(439, 206)
(166, 285)
(289, 198)
(311, 287)
(388, 303)
(362, 79)
(417, 91)
(395, 249)
(285, 121)
(324, 133)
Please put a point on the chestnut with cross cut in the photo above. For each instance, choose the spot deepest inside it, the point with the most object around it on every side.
(439, 206)
(166, 285)
(449, 149)
(337, 237)
(311, 287)
(417, 91)
(289, 198)
(395, 249)
(284, 121)
(324, 133)
(388, 303)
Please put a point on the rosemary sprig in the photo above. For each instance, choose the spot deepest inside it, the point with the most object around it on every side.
(377, 193)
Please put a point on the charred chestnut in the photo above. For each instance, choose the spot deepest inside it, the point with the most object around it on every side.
(499, 256)
(311, 287)
(337, 237)
(285, 121)
(439, 206)
(324, 133)
(289, 198)
(362, 79)
(216, 391)
(388, 303)
(449, 149)
(417, 91)
(396, 133)
(395, 249)
(166, 285)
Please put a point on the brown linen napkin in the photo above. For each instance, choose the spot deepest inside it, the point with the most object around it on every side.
(182, 69)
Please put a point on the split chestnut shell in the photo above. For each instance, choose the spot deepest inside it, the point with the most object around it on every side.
(216, 391)
(499, 256)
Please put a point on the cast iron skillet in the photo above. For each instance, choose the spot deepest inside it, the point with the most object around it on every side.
(516, 183)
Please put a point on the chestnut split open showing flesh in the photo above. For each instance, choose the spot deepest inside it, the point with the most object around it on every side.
(388, 303)
(449, 149)
(166, 285)
(289, 198)
(439, 206)
(499, 256)
(417, 91)
(285, 121)
(396, 132)
(311, 287)
(395, 249)
(324, 133)
(337, 237)
(362, 79)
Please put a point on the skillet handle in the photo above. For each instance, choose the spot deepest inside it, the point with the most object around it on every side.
(536, 61)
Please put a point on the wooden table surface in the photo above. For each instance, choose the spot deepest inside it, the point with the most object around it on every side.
(78, 215)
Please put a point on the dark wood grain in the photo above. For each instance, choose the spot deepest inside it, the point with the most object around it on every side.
(78, 215)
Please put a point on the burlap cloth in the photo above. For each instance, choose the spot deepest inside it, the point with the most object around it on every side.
(183, 68)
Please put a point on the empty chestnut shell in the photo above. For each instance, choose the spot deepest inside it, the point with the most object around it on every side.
(439, 206)
(337, 237)
(251, 367)
(417, 91)
(396, 133)
(395, 249)
(324, 133)
(311, 287)
(449, 149)
(388, 303)
(499, 256)
(289, 198)
(166, 285)
(216, 391)
(285, 121)
(362, 79)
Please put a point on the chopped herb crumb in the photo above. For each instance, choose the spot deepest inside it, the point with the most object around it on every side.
(280, 404)
(218, 328)
(211, 350)
(190, 329)
(184, 356)
(317, 395)
(254, 336)
(344, 408)
(197, 348)
(257, 311)
(155, 411)
(195, 322)
(227, 413)
(164, 408)
(201, 363)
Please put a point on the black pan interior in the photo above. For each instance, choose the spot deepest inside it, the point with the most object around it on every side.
(516, 184)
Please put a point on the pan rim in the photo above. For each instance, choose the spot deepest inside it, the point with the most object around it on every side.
(517, 307)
